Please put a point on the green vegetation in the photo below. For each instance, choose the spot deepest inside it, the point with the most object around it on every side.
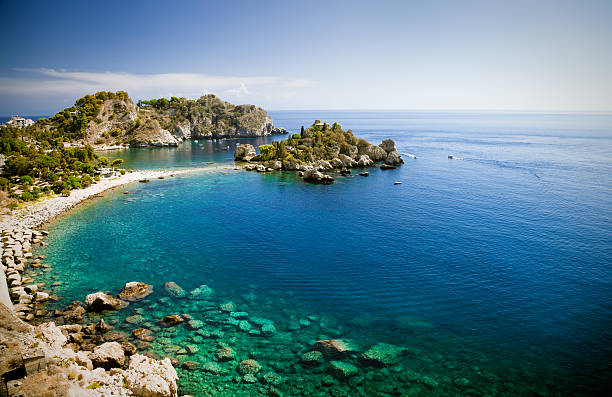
(209, 112)
(32, 170)
(318, 142)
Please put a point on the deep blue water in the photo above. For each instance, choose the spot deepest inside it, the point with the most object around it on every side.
(495, 266)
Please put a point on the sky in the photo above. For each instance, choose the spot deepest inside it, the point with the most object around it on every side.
(425, 55)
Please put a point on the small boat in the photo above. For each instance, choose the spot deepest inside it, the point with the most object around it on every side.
(196, 141)
(412, 156)
(397, 183)
(450, 156)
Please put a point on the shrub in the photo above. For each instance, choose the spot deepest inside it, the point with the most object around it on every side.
(117, 162)
(27, 180)
(27, 196)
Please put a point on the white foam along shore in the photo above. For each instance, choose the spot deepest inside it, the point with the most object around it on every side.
(33, 215)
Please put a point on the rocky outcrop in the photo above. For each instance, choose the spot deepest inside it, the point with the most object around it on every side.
(244, 152)
(134, 291)
(100, 301)
(316, 177)
(394, 158)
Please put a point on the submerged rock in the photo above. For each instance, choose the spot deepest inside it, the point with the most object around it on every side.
(100, 301)
(171, 320)
(272, 378)
(225, 354)
(227, 307)
(342, 370)
(382, 354)
(108, 355)
(249, 366)
(174, 290)
(335, 348)
(312, 358)
(268, 329)
(212, 367)
(135, 290)
(202, 292)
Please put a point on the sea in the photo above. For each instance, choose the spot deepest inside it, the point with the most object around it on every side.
(485, 274)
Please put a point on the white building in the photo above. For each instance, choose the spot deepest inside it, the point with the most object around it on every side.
(19, 122)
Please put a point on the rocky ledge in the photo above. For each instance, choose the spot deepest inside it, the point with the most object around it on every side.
(318, 149)
(40, 361)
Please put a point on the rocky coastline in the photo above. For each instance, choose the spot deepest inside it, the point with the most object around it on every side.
(67, 358)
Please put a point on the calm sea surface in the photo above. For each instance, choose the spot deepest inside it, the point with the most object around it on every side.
(493, 271)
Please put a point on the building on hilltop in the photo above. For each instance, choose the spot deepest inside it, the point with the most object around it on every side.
(19, 122)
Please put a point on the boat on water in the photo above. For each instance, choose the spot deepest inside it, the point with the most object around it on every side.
(412, 156)
(450, 156)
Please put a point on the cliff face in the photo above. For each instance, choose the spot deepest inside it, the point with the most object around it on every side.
(115, 119)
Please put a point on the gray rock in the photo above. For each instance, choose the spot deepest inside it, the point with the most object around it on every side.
(394, 158)
(388, 145)
(244, 152)
(108, 355)
(100, 301)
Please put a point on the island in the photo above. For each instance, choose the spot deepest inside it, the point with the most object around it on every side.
(320, 147)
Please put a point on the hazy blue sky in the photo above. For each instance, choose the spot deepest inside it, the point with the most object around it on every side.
(531, 55)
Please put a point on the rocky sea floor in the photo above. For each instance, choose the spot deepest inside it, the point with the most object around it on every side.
(249, 342)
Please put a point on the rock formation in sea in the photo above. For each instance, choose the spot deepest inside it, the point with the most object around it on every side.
(318, 149)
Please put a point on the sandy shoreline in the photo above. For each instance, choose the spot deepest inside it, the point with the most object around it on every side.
(36, 214)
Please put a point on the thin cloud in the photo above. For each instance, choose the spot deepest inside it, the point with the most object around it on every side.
(52, 81)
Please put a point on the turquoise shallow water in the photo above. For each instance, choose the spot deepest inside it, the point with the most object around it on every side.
(492, 271)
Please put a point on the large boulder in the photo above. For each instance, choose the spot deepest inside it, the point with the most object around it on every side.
(394, 158)
(108, 355)
(376, 153)
(135, 290)
(382, 354)
(316, 177)
(100, 301)
(149, 377)
(244, 152)
(388, 145)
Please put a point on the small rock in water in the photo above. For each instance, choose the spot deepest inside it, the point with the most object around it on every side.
(171, 320)
(244, 326)
(192, 349)
(239, 315)
(312, 358)
(190, 365)
(268, 329)
(202, 292)
(212, 367)
(227, 307)
(195, 324)
(335, 348)
(382, 354)
(249, 366)
(100, 301)
(249, 378)
(174, 290)
(134, 291)
(225, 354)
(342, 370)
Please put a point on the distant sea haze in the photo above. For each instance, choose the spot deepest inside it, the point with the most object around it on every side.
(493, 269)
